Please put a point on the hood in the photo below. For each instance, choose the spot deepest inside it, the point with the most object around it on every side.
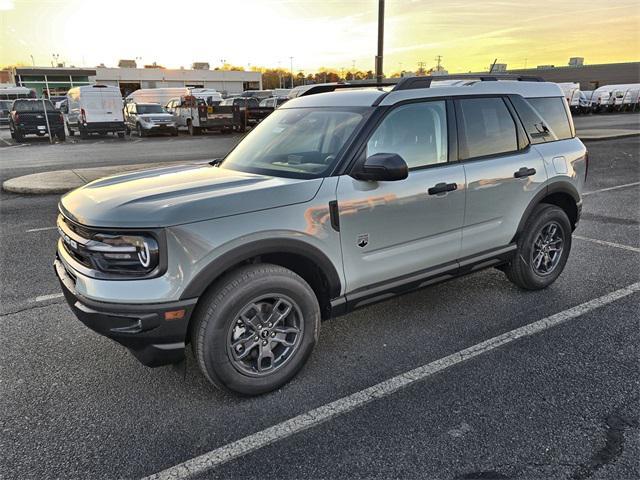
(180, 194)
(155, 115)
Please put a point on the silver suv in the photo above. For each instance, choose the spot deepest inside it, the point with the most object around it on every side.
(335, 201)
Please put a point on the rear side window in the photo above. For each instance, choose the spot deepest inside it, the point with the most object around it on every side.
(487, 128)
(554, 113)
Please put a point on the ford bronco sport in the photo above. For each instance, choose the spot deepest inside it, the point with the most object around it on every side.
(335, 201)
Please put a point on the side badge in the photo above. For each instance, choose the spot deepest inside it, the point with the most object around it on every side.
(363, 240)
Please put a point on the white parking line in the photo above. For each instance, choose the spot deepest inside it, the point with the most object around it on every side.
(43, 298)
(239, 448)
(608, 244)
(5, 141)
(40, 229)
(611, 188)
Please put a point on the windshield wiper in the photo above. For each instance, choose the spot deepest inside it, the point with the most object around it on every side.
(216, 162)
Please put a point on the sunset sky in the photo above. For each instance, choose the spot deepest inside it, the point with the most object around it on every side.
(468, 34)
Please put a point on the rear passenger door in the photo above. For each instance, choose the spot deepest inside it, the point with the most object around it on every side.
(392, 229)
(503, 172)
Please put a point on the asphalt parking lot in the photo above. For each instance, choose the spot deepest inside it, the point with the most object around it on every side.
(559, 402)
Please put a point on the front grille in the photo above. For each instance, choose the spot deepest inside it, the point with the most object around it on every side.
(73, 235)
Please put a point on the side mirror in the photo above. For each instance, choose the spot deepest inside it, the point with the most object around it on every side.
(381, 167)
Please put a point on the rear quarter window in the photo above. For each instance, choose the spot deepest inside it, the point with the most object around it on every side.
(554, 113)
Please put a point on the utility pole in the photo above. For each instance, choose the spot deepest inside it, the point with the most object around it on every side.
(380, 41)
(438, 59)
(291, 58)
(421, 66)
(32, 60)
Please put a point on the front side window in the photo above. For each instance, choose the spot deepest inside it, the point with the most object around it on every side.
(417, 132)
(487, 128)
(296, 142)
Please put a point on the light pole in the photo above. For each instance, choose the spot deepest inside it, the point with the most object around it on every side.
(380, 41)
(291, 58)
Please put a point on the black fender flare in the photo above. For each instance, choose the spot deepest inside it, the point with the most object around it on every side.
(211, 272)
(556, 187)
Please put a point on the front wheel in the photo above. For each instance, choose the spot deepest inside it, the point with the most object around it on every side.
(255, 329)
(140, 131)
(61, 135)
(543, 249)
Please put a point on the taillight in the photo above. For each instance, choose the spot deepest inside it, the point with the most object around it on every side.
(16, 117)
(586, 164)
(83, 115)
(61, 117)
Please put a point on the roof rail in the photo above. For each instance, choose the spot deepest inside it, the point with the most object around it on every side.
(410, 83)
(331, 87)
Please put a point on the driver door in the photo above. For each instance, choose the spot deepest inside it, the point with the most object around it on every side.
(390, 230)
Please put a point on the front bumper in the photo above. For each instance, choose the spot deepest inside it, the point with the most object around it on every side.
(159, 127)
(143, 329)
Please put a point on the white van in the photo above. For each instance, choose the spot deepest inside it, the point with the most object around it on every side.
(94, 109)
(571, 92)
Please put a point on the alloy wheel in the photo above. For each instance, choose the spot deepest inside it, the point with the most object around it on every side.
(547, 249)
(265, 335)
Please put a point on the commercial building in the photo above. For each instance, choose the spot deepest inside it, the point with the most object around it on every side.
(53, 81)
(589, 77)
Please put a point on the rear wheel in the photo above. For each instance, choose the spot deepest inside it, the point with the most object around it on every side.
(83, 132)
(61, 135)
(18, 135)
(255, 329)
(543, 249)
(192, 129)
(140, 130)
(121, 134)
(71, 132)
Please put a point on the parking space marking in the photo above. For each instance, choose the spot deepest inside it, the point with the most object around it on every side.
(44, 298)
(611, 188)
(608, 244)
(5, 141)
(312, 418)
(40, 229)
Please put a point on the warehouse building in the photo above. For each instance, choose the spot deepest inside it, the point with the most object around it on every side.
(56, 81)
(589, 77)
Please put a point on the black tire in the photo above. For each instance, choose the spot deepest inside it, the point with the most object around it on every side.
(71, 132)
(61, 135)
(174, 132)
(18, 136)
(83, 132)
(521, 270)
(13, 134)
(218, 312)
(121, 134)
(140, 130)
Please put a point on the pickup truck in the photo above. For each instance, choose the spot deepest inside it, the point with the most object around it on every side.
(251, 113)
(196, 115)
(27, 116)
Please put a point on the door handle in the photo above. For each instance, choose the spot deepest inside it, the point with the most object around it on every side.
(442, 188)
(524, 172)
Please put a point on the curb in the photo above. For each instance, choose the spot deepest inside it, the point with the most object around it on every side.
(62, 181)
(607, 137)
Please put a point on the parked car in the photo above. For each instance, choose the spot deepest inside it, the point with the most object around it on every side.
(28, 117)
(149, 118)
(333, 202)
(197, 116)
(5, 108)
(94, 109)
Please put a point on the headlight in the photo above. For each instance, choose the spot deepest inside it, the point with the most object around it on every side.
(124, 254)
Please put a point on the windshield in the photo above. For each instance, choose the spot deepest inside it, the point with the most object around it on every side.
(297, 142)
(142, 109)
(32, 106)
